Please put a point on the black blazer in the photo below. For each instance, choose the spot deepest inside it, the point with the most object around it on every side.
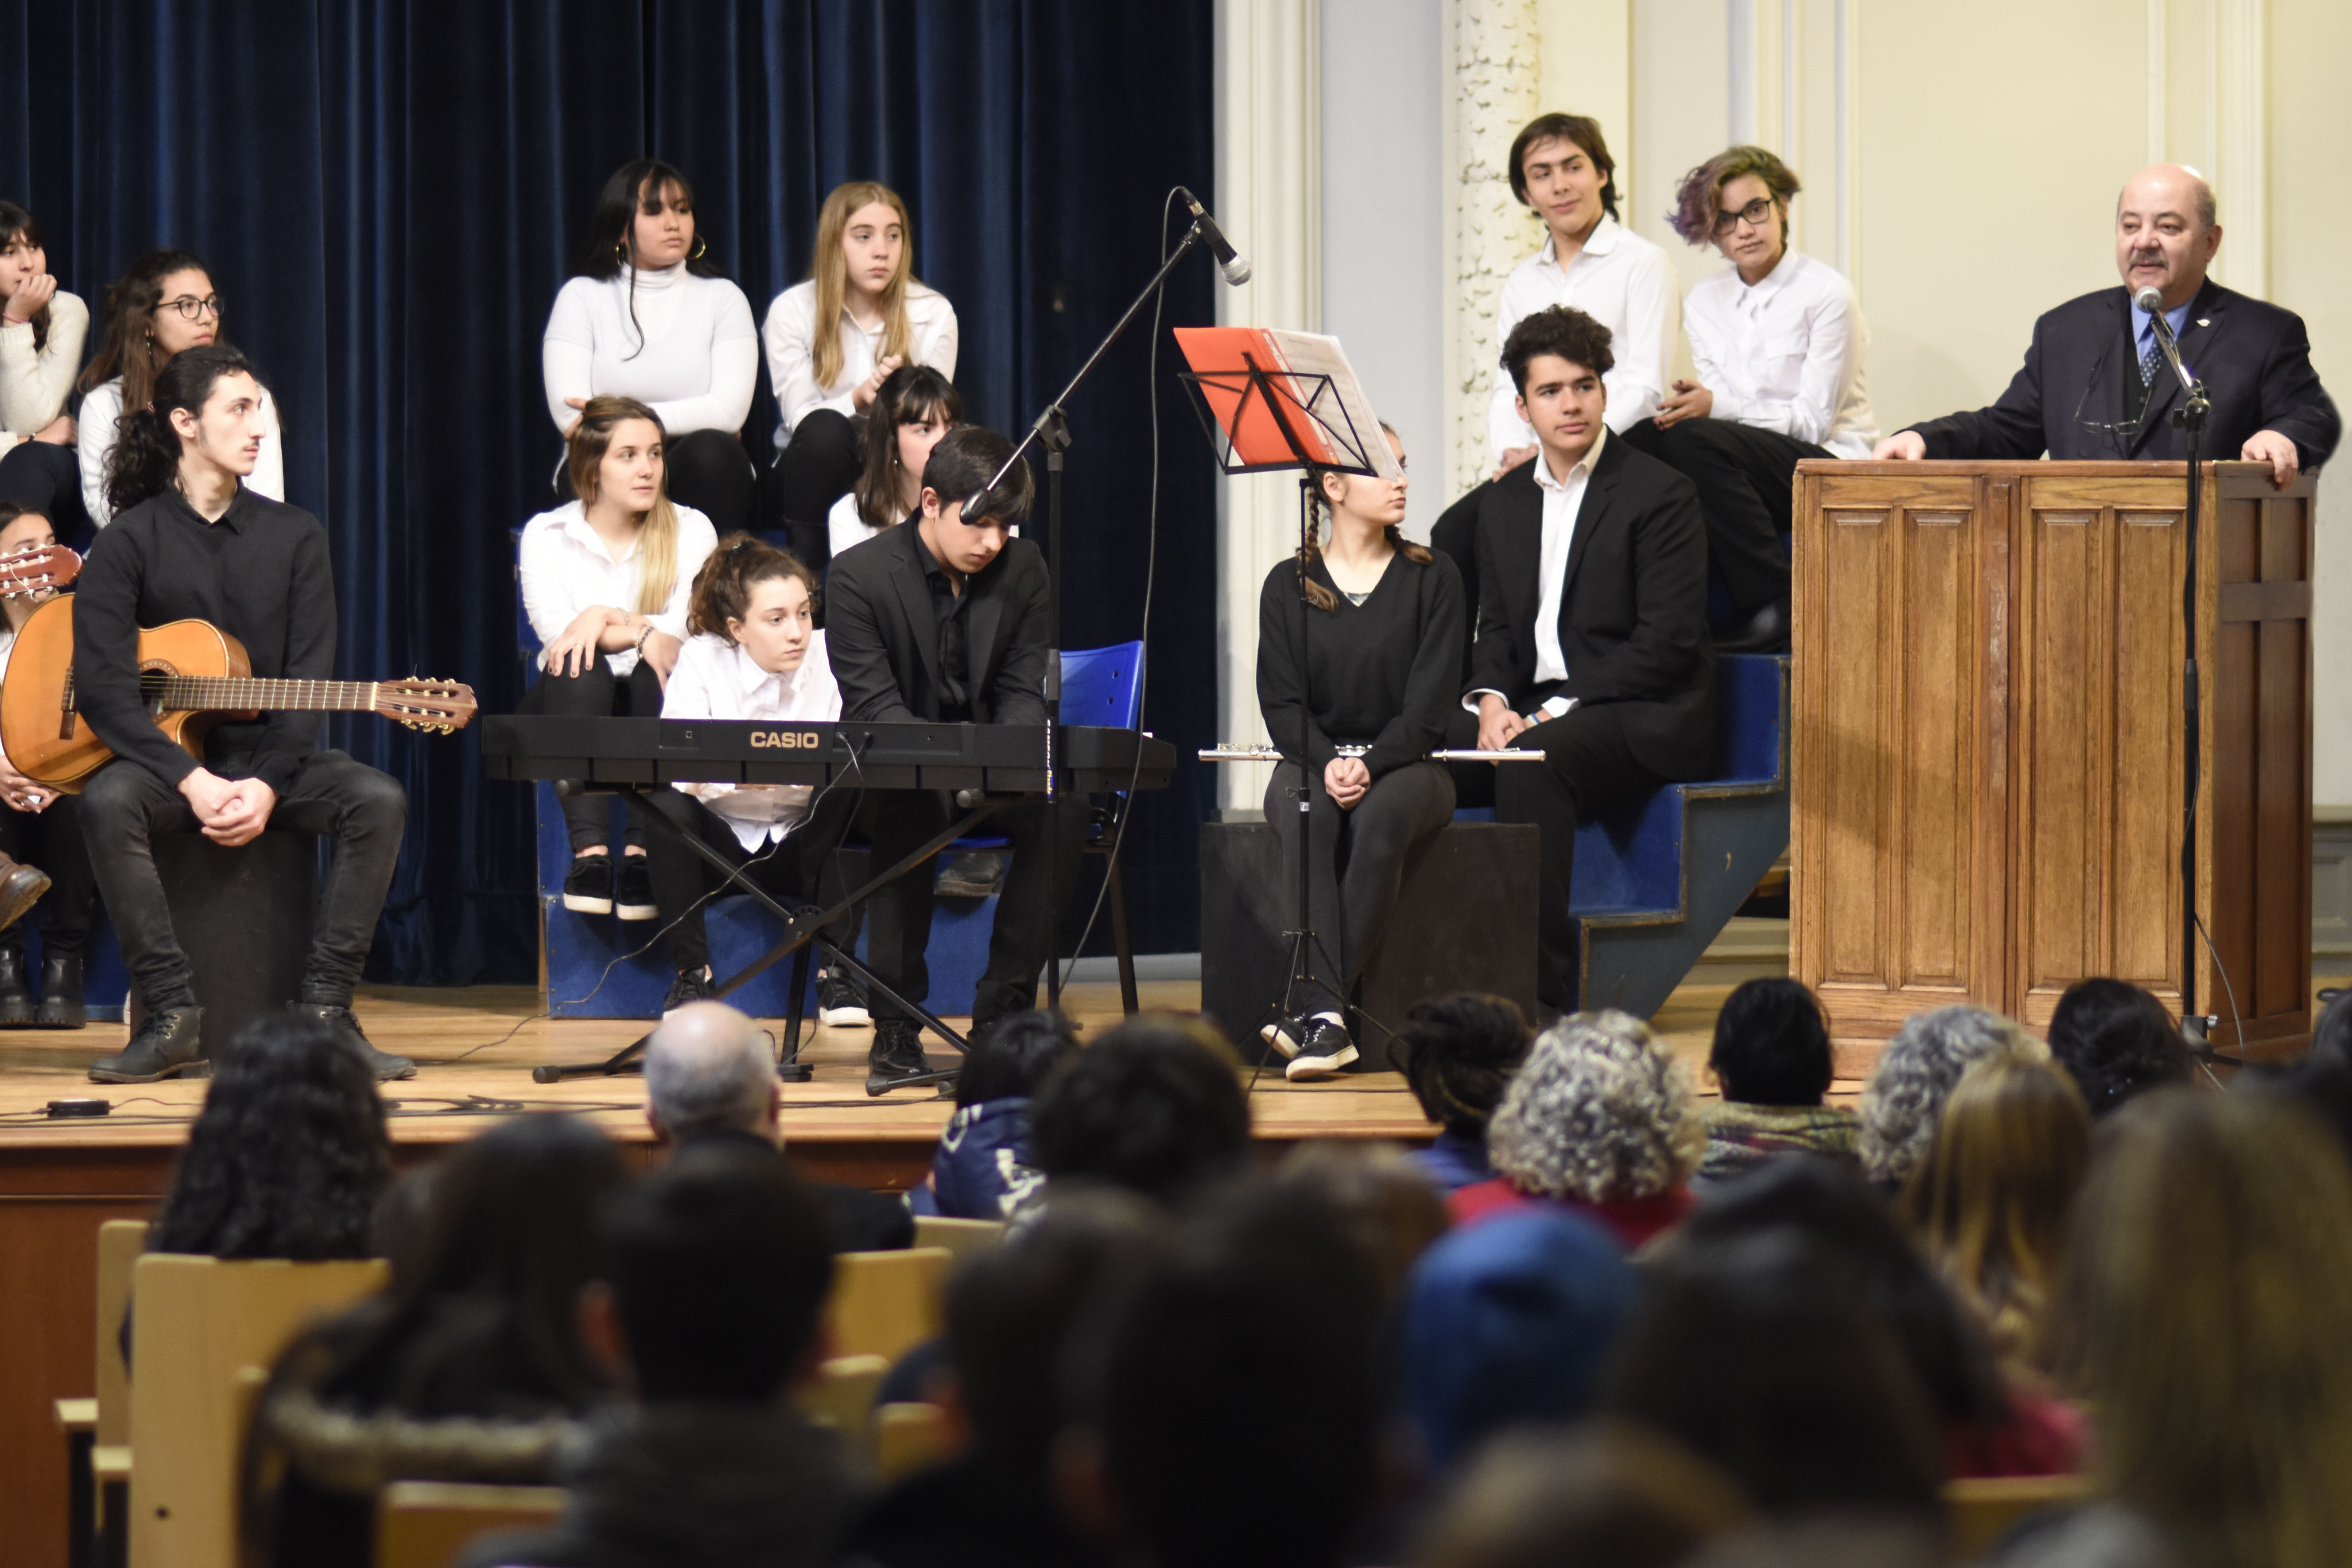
(2253, 357)
(1633, 620)
(883, 634)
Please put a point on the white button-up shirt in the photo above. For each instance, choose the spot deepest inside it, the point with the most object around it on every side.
(790, 334)
(564, 567)
(1563, 506)
(1785, 354)
(715, 679)
(1621, 281)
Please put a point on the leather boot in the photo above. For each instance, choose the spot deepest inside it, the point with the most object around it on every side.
(61, 1004)
(21, 886)
(896, 1055)
(169, 1043)
(383, 1064)
(15, 1002)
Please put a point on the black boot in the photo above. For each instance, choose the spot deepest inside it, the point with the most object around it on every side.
(896, 1055)
(383, 1064)
(61, 1004)
(15, 1002)
(169, 1043)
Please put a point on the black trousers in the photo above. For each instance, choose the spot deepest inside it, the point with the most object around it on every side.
(899, 915)
(43, 476)
(1743, 475)
(124, 807)
(706, 470)
(596, 693)
(1587, 769)
(52, 839)
(793, 871)
(1355, 865)
(815, 469)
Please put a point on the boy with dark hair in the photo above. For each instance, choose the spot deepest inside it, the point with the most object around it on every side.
(946, 620)
(717, 1270)
(1772, 1059)
(1460, 1052)
(1154, 1106)
(983, 1168)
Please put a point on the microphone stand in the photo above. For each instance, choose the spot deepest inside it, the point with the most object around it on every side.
(1051, 430)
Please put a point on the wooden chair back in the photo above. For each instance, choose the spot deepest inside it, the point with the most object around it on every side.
(1985, 1509)
(906, 1439)
(958, 1235)
(199, 1324)
(430, 1524)
(120, 1243)
(843, 1396)
(886, 1303)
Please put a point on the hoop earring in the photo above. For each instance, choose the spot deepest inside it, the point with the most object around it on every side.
(621, 251)
(701, 248)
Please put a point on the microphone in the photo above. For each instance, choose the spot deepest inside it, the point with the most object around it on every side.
(1236, 270)
(2151, 299)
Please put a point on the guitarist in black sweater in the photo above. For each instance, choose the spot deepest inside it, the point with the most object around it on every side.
(190, 541)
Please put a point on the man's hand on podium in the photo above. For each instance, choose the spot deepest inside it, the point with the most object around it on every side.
(2278, 451)
(1903, 447)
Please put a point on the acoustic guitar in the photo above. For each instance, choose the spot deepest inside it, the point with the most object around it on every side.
(43, 569)
(191, 675)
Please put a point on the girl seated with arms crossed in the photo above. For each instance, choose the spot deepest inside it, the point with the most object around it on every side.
(754, 653)
(604, 584)
(915, 407)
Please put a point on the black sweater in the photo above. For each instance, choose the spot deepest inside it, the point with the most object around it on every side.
(260, 574)
(1384, 673)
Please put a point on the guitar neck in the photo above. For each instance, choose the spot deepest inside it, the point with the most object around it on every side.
(185, 693)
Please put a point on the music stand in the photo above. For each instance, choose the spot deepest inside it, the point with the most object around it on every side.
(1271, 401)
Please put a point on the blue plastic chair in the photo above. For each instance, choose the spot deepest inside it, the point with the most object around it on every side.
(1104, 687)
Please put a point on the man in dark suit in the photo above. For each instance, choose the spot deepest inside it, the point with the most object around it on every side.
(2095, 385)
(1592, 645)
(944, 619)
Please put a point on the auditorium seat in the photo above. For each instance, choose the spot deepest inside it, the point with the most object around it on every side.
(430, 1524)
(909, 1436)
(886, 1303)
(958, 1235)
(1986, 1509)
(842, 1395)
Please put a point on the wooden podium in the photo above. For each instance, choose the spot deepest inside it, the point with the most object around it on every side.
(1987, 757)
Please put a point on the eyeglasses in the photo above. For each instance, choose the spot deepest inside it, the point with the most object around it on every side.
(190, 307)
(1753, 215)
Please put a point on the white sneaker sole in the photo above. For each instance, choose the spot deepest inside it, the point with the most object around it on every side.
(582, 904)
(1273, 1035)
(636, 911)
(1303, 1067)
(845, 1017)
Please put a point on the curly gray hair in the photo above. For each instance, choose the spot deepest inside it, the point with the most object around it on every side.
(1906, 1095)
(1600, 1110)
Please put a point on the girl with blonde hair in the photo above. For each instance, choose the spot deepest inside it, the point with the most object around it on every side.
(834, 338)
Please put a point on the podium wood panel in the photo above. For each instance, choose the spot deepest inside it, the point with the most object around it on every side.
(1989, 750)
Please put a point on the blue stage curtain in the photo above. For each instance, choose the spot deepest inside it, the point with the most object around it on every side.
(389, 193)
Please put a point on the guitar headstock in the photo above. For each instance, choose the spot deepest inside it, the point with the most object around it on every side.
(437, 707)
(43, 569)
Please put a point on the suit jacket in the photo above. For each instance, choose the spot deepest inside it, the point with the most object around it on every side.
(884, 633)
(1632, 614)
(2253, 357)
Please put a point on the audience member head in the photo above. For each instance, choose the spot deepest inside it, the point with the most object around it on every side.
(2319, 1083)
(1460, 1052)
(757, 597)
(1154, 1106)
(2207, 1303)
(1509, 1323)
(707, 1070)
(1739, 201)
(1773, 1045)
(645, 219)
(1991, 1198)
(614, 457)
(1842, 1215)
(2116, 1040)
(205, 418)
(2331, 1037)
(1915, 1073)
(1256, 1332)
(1834, 1542)
(1014, 1059)
(1561, 168)
(716, 1269)
(289, 1157)
(865, 254)
(1607, 1496)
(1761, 1355)
(913, 408)
(1391, 1207)
(163, 304)
(1600, 1111)
(23, 258)
(964, 517)
(482, 1317)
(2166, 232)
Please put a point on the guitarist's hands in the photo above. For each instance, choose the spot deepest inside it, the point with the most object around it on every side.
(231, 811)
(20, 792)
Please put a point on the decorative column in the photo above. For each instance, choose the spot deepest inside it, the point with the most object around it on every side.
(1496, 76)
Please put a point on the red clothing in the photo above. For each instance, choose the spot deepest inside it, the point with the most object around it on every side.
(1633, 1221)
(2044, 1438)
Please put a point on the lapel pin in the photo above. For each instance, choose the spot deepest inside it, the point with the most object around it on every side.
(2204, 321)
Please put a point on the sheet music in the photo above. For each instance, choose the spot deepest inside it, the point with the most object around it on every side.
(1313, 353)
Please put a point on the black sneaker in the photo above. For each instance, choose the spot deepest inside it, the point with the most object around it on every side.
(691, 986)
(1287, 1034)
(973, 874)
(588, 886)
(1322, 1053)
(169, 1043)
(633, 890)
(896, 1055)
(383, 1064)
(840, 1000)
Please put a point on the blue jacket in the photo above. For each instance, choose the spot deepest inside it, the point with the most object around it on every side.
(982, 1169)
(1455, 1160)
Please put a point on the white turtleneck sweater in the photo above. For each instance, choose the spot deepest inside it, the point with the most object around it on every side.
(692, 352)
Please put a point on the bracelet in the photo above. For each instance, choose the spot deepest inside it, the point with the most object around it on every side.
(639, 645)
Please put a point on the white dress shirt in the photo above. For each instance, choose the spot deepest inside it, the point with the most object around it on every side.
(1785, 354)
(102, 411)
(715, 679)
(790, 333)
(1563, 506)
(691, 355)
(1618, 280)
(564, 567)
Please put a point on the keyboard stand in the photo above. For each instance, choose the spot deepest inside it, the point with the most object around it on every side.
(801, 927)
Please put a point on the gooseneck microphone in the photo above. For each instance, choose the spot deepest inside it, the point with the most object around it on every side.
(2151, 299)
(1229, 261)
